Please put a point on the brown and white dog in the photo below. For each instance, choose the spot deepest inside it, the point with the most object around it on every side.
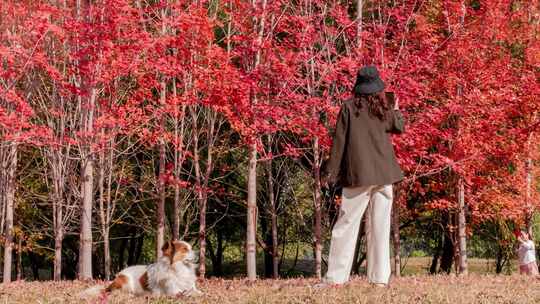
(172, 275)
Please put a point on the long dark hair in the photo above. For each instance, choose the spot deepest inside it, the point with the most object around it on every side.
(376, 103)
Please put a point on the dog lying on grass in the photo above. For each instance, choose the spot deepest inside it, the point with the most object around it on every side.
(172, 275)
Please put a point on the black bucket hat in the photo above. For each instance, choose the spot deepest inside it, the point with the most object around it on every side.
(368, 81)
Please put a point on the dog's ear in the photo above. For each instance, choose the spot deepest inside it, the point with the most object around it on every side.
(165, 246)
(168, 249)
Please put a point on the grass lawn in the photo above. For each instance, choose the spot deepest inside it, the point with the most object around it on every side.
(414, 287)
(410, 289)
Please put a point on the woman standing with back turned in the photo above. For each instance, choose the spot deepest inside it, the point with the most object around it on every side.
(362, 160)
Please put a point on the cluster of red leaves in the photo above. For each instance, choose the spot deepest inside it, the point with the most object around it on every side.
(466, 74)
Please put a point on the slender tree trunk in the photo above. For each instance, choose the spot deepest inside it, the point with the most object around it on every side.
(103, 211)
(530, 212)
(19, 268)
(178, 161)
(461, 220)
(58, 239)
(447, 257)
(58, 207)
(204, 190)
(110, 208)
(85, 250)
(455, 240)
(273, 220)
(275, 254)
(176, 213)
(107, 253)
(202, 235)
(160, 237)
(87, 190)
(201, 197)
(436, 256)
(499, 261)
(462, 235)
(359, 11)
(529, 184)
(59, 164)
(395, 232)
(87, 167)
(203, 181)
(317, 207)
(10, 165)
(251, 229)
(316, 167)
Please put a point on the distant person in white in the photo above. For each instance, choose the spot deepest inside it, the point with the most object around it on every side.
(527, 255)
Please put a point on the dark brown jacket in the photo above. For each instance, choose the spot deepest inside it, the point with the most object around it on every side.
(362, 153)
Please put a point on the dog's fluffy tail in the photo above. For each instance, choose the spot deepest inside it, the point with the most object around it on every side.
(92, 292)
(99, 290)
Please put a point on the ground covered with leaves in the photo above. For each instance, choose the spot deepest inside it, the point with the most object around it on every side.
(410, 289)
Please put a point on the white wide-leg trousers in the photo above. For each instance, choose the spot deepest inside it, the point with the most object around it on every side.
(345, 233)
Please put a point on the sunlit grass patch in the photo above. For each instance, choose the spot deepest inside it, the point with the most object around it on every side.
(474, 288)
